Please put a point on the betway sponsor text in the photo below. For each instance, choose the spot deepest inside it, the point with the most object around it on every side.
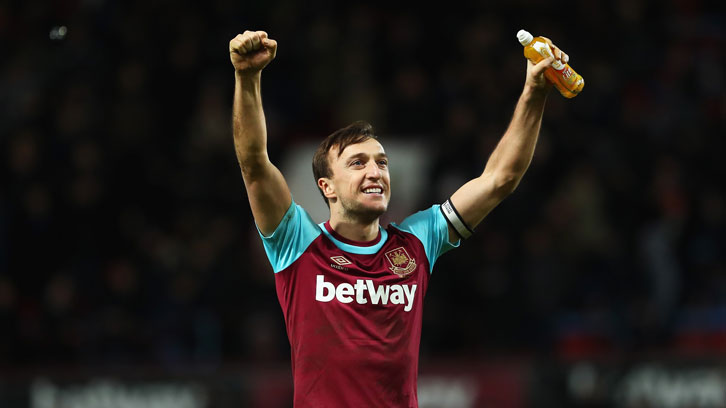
(383, 294)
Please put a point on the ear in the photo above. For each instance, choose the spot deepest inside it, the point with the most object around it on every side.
(326, 186)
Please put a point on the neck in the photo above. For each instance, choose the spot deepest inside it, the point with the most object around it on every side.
(355, 230)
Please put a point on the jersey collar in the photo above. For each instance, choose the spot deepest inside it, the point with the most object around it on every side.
(355, 247)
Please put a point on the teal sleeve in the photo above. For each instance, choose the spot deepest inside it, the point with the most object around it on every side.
(430, 227)
(290, 239)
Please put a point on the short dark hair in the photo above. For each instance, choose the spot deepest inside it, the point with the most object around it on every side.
(356, 132)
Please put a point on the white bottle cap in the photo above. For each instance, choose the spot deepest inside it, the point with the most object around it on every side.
(524, 37)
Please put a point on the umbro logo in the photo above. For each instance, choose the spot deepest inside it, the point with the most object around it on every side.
(341, 260)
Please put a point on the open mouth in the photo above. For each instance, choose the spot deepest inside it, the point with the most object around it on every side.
(373, 190)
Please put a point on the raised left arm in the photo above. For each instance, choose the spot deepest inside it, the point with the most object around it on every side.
(513, 154)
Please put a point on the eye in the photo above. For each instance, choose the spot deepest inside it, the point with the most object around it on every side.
(383, 163)
(356, 163)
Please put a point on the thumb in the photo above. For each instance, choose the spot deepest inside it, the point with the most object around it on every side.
(541, 66)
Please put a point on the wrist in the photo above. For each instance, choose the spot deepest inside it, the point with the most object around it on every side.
(247, 76)
(535, 93)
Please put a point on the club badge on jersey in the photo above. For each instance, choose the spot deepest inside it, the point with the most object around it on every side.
(401, 263)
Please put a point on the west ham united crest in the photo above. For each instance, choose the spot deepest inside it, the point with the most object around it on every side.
(401, 263)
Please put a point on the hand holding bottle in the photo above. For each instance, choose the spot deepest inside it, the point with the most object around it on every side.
(560, 74)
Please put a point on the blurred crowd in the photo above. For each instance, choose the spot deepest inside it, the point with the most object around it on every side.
(125, 232)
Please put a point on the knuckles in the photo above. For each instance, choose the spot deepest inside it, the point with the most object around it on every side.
(251, 41)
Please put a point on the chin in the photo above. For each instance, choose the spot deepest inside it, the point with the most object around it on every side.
(376, 210)
(377, 206)
(379, 210)
(368, 213)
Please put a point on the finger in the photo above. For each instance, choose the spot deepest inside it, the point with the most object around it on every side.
(244, 36)
(555, 51)
(541, 66)
(262, 34)
(247, 44)
(269, 43)
(255, 41)
(236, 46)
(560, 55)
(236, 40)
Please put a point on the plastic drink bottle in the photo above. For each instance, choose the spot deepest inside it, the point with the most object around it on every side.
(565, 79)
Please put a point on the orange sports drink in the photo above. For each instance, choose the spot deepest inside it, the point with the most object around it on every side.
(564, 78)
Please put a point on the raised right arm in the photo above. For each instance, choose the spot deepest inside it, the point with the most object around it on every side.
(267, 190)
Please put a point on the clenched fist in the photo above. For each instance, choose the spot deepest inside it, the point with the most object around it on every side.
(252, 51)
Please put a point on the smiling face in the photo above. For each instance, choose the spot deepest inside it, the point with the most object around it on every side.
(360, 186)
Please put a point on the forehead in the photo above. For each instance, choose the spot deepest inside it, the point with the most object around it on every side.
(370, 147)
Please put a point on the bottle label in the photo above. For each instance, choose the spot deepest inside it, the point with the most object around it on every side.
(568, 75)
(544, 50)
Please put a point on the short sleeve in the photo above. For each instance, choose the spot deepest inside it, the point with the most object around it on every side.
(430, 227)
(290, 239)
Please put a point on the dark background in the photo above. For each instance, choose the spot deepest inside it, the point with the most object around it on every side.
(126, 236)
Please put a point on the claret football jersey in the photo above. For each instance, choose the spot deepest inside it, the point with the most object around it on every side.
(353, 309)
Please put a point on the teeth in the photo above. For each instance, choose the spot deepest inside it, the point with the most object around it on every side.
(372, 190)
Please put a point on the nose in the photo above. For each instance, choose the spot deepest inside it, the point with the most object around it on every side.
(373, 171)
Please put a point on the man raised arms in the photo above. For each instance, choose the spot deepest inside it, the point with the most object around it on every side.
(266, 188)
(352, 291)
